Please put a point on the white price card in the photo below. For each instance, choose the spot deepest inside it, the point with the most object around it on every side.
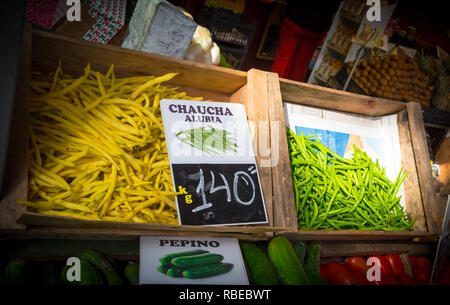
(191, 260)
(213, 163)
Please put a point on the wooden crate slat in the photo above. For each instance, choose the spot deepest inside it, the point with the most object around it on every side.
(284, 212)
(49, 48)
(257, 106)
(48, 232)
(60, 221)
(422, 158)
(357, 235)
(413, 196)
(345, 249)
(317, 96)
(16, 171)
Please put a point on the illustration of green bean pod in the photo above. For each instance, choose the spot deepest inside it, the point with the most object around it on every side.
(209, 140)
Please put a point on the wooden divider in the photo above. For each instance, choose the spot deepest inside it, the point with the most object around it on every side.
(422, 158)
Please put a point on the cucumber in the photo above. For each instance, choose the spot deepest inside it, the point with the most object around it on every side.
(207, 270)
(167, 258)
(15, 272)
(196, 260)
(260, 268)
(312, 265)
(175, 272)
(164, 267)
(89, 275)
(52, 274)
(286, 263)
(99, 261)
(112, 261)
(300, 250)
(131, 272)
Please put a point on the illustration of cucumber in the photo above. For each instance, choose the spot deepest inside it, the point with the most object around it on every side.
(168, 257)
(207, 270)
(164, 267)
(196, 260)
(175, 272)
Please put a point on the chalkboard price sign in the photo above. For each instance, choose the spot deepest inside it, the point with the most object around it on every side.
(213, 164)
(218, 194)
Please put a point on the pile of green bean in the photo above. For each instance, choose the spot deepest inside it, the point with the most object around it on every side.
(334, 193)
(208, 139)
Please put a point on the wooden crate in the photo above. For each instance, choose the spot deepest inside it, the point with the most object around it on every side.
(443, 159)
(420, 195)
(43, 50)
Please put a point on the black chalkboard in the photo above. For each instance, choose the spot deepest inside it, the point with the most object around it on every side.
(216, 194)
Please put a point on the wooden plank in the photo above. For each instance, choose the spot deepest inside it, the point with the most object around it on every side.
(317, 96)
(240, 96)
(443, 159)
(284, 202)
(413, 197)
(61, 249)
(49, 232)
(257, 105)
(445, 190)
(48, 48)
(422, 158)
(356, 235)
(345, 249)
(15, 183)
(207, 95)
(35, 219)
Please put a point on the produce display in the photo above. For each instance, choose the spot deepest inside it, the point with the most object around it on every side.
(353, 271)
(437, 72)
(393, 77)
(341, 41)
(287, 265)
(193, 264)
(329, 67)
(95, 269)
(335, 193)
(261, 271)
(97, 148)
(279, 261)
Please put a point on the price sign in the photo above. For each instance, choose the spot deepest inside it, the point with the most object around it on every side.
(213, 164)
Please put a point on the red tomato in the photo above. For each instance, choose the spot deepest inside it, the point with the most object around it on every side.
(379, 283)
(422, 270)
(385, 268)
(323, 273)
(361, 278)
(444, 277)
(412, 259)
(356, 263)
(396, 264)
(338, 274)
(390, 280)
(405, 279)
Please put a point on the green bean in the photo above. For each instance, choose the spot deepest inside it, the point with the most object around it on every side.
(306, 196)
(332, 192)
